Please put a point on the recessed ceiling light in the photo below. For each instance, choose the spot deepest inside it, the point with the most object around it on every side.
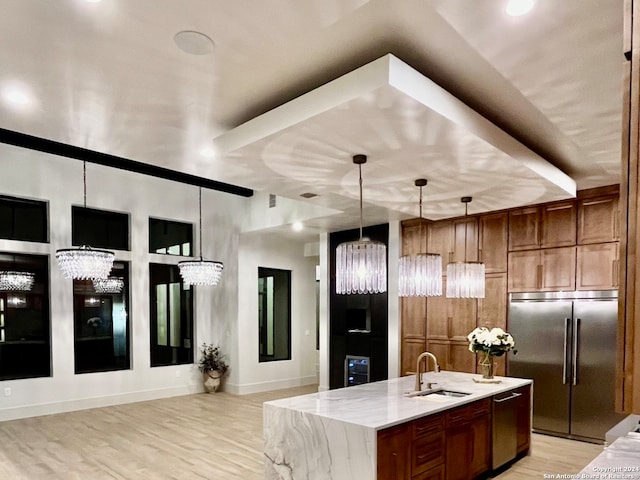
(297, 226)
(308, 195)
(515, 8)
(208, 152)
(194, 43)
(17, 96)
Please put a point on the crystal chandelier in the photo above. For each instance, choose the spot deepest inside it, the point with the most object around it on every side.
(84, 262)
(420, 275)
(16, 281)
(199, 271)
(465, 279)
(108, 285)
(361, 266)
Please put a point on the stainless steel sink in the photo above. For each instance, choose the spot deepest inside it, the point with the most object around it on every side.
(438, 391)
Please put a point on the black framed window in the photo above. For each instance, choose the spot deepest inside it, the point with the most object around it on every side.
(99, 228)
(170, 238)
(25, 346)
(22, 219)
(274, 314)
(171, 305)
(101, 322)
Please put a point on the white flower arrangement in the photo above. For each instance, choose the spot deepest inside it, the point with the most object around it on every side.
(494, 342)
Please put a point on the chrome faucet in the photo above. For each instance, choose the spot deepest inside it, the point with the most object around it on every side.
(436, 368)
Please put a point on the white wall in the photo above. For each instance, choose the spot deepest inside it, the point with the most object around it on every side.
(275, 251)
(59, 180)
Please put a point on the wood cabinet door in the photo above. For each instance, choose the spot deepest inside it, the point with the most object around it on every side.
(411, 349)
(458, 452)
(558, 269)
(414, 237)
(462, 317)
(438, 317)
(493, 241)
(558, 225)
(597, 266)
(524, 271)
(524, 228)
(394, 453)
(440, 240)
(492, 310)
(480, 446)
(465, 240)
(460, 358)
(414, 317)
(440, 348)
(598, 220)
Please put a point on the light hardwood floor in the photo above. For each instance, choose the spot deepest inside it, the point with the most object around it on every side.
(203, 436)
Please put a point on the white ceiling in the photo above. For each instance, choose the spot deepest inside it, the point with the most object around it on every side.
(109, 77)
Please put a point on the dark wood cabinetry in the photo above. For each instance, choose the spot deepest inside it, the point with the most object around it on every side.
(598, 220)
(453, 445)
(598, 266)
(548, 269)
(468, 441)
(394, 453)
(546, 226)
(493, 235)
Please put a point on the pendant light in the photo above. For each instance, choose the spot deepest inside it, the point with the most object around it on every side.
(199, 271)
(465, 279)
(108, 285)
(420, 275)
(85, 263)
(361, 266)
(16, 281)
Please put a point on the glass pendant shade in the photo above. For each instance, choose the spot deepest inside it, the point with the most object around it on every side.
(108, 285)
(85, 263)
(16, 281)
(465, 280)
(361, 267)
(200, 272)
(420, 275)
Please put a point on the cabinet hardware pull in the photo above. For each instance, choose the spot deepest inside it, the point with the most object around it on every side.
(564, 356)
(513, 395)
(576, 334)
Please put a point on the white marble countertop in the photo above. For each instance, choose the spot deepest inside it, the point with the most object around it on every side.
(383, 404)
(621, 459)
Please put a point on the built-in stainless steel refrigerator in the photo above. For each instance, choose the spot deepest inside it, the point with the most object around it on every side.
(566, 342)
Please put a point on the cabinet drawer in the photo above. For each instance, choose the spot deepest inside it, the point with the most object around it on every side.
(458, 417)
(436, 473)
(481, 407)
(427, 452)
(427, 426)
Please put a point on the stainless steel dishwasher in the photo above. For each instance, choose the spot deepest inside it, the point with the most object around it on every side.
(505, 425)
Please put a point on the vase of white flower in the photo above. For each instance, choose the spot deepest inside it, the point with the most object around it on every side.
(489, 344)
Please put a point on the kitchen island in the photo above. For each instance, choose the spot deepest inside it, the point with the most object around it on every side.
(376, 431)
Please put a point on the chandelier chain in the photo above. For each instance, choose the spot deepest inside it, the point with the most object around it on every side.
(84, 181)
(200, 221)
(360, 183)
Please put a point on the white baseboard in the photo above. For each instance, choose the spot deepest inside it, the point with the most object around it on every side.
(25, 411)
(248, 388)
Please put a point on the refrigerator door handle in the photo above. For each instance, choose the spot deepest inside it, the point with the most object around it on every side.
(574, 361)
(566, 345)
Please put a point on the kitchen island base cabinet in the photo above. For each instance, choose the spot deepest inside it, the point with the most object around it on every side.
(394, 453)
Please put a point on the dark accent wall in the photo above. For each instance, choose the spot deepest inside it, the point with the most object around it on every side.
(347, 311)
